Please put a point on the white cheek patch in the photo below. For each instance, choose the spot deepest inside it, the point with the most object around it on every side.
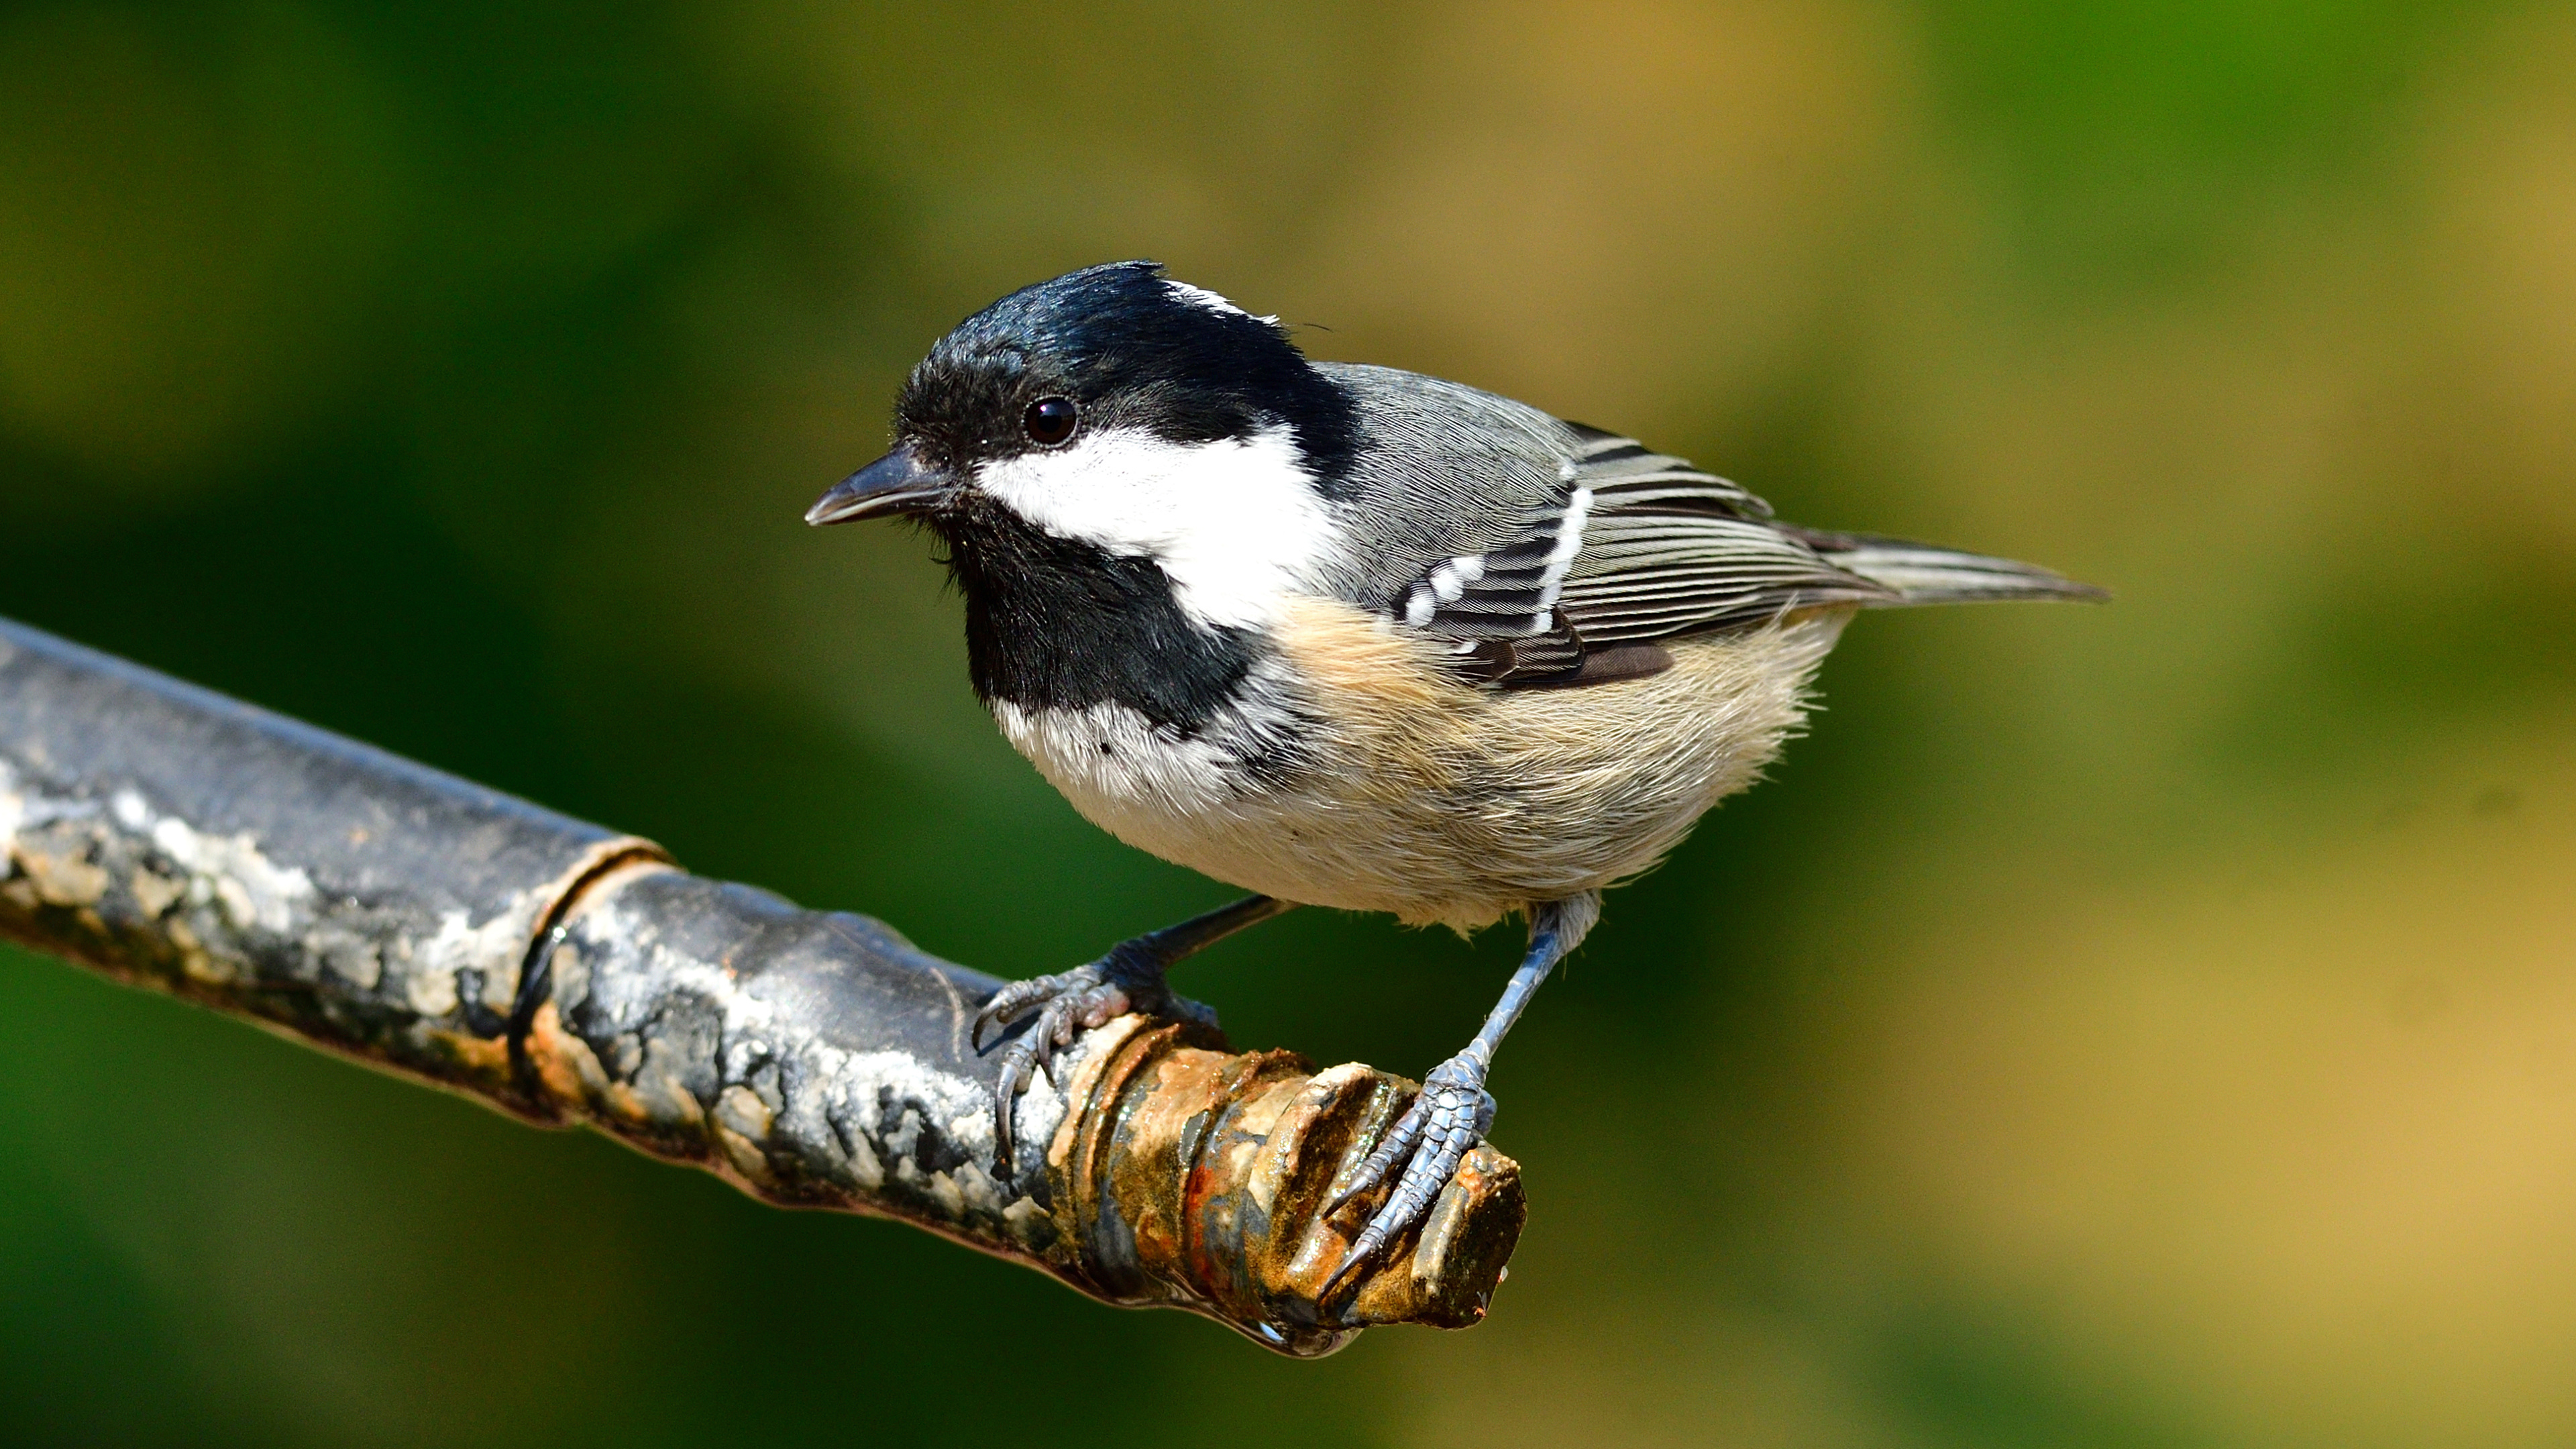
(1234, 523)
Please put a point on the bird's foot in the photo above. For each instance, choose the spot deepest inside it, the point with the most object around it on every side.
(1067, 1004)
(1433, 1136)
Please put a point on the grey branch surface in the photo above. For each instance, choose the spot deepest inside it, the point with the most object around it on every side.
(169, 837)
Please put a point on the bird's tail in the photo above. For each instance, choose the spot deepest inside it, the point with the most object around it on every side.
(1922, 574)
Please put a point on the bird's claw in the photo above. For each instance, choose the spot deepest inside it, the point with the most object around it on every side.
(1067, 1004)
(1435, 1134)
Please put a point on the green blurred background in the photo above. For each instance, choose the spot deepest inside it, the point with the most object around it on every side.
(2138, 1027)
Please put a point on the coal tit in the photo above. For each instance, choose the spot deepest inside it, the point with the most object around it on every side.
(1353, 637)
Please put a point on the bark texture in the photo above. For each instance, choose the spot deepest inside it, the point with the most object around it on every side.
(172, 838)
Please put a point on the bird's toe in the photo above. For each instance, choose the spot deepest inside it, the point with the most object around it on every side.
(1423, 1150)
(1058, 1009)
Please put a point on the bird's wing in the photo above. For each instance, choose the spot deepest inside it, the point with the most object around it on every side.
(1633, 547)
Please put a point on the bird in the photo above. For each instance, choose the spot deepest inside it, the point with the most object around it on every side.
(1348, 636)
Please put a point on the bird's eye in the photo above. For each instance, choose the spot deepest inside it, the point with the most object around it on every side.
(1050, 421)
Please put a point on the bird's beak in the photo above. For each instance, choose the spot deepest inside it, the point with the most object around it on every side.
(899, 482)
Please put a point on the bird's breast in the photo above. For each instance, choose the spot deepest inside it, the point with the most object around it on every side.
(1349, 769)
(1121, 767)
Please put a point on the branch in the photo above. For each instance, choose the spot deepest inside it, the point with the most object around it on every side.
(169, 837)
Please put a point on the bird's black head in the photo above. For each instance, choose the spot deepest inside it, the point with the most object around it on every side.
(1108, 351)
(1130, 473)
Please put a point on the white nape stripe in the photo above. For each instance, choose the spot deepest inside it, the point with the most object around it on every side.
(1234, 523)
(1206, 300)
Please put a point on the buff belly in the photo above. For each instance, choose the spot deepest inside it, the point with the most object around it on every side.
(1418, 795)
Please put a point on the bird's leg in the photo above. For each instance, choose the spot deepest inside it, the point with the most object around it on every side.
(1129, 978)
(1454, 1110)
